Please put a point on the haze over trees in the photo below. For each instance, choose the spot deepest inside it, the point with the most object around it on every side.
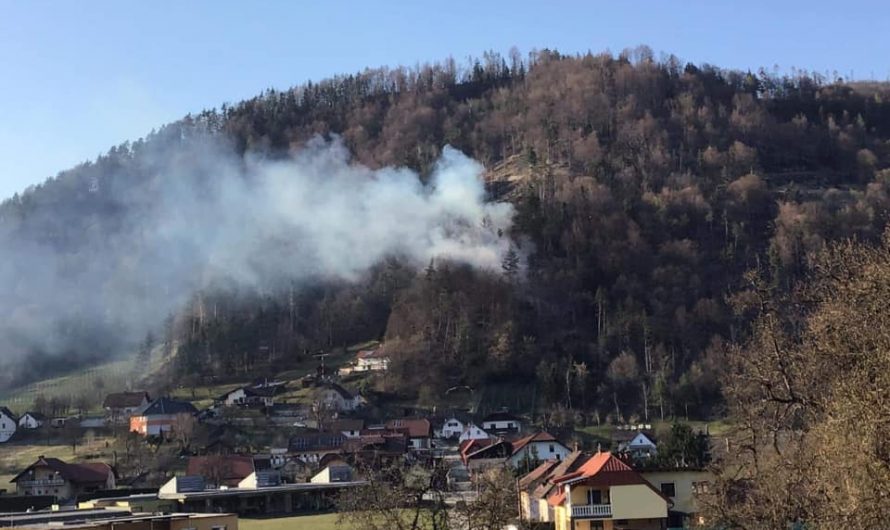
(645, 189)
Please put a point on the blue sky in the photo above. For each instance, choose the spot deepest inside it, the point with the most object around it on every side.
(79, 77)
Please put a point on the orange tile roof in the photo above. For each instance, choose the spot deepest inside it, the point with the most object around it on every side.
(557, 498)
(537, 437)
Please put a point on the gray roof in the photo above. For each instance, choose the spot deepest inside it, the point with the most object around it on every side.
(164, 406)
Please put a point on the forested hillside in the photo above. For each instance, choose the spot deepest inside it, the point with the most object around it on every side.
(644, 190)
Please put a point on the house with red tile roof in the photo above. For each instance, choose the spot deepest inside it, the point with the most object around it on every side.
(536, 447)
(606, 493)
(418, 430)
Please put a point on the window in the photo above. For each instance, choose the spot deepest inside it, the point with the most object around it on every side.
(594, 497)
(668, 489)
(552, 448)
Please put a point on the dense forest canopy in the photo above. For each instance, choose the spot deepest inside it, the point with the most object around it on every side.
(644, 189)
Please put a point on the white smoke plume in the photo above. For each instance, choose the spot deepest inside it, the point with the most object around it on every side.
(247, 222)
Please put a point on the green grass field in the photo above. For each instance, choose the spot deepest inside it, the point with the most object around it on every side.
(306, 522)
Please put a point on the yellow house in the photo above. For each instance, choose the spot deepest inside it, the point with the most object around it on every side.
(605, 493)
(681, 486)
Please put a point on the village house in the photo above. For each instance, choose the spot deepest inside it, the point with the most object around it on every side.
(310, 448)
(262, 395)
(31, 420)
(371, 361)
(501, 423)
(680, 485)
(538, 485)
(160, 416)
(535, 448)
(528, 450)
(120, 406)
(636, 444)
(458, 427)
(607, 493)
(471, 432)
(8, 424)
(337, 398)
(51, 476)
(418, 430)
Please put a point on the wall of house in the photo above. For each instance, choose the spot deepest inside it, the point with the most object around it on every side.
(473, 433)
(562, 517)
(683, 480)
(500, 425)
(28, 422)
(7, 427)
(452, 428)
(540, 451)
(636, 501)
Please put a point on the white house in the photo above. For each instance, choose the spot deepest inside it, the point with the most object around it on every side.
(371, 361)
(452, 427)
(640, 446)
(8, 424)
(501, 422)
(31, 420)
(337, 398)
(471, 432)
(537, 448)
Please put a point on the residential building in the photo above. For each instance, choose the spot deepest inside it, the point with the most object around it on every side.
(450, 428)
(528, 450)
(500, 423)
(681, 486)
(262, 395)
(636, 444)
(607, 493)
(419, 431)
(160, 416)
(371, 361)
(51, 476)
(471, 432)
(337, 398)
(31, 420)
(536, 487)
(535, 448)
(8, 424)
(312, 447)
(119, 406)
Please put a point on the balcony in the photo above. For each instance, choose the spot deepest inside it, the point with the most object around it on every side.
(592, 511)
(41, 482)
